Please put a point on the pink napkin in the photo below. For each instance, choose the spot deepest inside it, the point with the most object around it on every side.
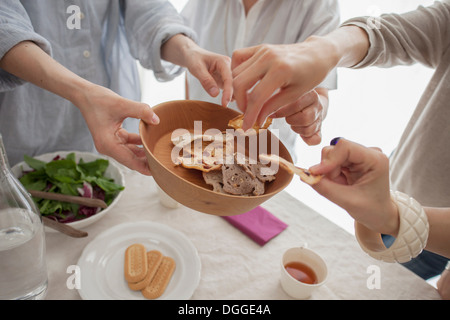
(258, 224)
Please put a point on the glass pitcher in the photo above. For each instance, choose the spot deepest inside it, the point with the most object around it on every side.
(23, 269)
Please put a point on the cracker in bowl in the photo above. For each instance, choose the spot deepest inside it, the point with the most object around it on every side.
(237, 123)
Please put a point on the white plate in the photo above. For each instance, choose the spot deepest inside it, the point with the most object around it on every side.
(102, 261)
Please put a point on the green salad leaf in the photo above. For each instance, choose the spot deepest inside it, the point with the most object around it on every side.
(66, 176)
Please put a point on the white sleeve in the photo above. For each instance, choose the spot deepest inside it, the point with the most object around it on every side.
(149, 24)
(323, 16)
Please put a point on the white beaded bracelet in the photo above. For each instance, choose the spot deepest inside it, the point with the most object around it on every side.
(412, 235)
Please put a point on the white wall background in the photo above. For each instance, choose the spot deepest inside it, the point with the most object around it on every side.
(371, 106)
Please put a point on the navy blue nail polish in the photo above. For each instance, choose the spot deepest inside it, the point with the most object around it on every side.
(334, 141)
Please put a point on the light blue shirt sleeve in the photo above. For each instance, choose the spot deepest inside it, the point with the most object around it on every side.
(15, 27)
(149, 24)
(112, 34)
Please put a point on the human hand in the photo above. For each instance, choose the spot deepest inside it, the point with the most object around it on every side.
(357, 179)
(443, 285)
(269, 77)
(211, 69)
(104, 112)
(214, 72)
(305, 115)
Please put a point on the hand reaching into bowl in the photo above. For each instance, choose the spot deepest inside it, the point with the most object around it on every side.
(268, 77)
(211, 69)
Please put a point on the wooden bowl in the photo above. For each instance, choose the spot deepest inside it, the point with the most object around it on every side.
(187, 186)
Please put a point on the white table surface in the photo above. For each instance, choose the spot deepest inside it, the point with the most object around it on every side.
(233, 267)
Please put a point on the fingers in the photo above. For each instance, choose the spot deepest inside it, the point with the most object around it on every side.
(213, 72)
(227, 80)
(243, 83)
(308, 104)
(124, 147)
(344, 163)
(343, 154)
(308, 130)
(336, 192)
(253, 65)
(312, 140)
(116, 142)
(351, 163)
(126, 137)
(127, 155)
(139, 110)
(305, 116)
(207, 81)
(104, 112)
(310, 116)
(258, 97)
(281, 98)
(242, 55)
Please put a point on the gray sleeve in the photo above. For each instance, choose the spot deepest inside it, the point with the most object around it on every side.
(15, 27)
(420, 36)
(149, 24)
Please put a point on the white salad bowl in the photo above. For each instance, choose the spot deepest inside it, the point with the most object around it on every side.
(113, 172)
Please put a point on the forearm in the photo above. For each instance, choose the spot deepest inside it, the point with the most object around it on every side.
(439, 234)
(29, 62)
(349, 44)
(344, 47)
(176, 48)
(417, 36)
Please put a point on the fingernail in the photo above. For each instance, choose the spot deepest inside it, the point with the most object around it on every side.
(155, 119)
(334, 141)
(214, 91)
(230, 102)
(314, 168)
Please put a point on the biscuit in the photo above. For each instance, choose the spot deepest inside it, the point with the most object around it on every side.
(161, 279)
(207, 157)
(238, 182)
(238, 122)
(305, 175)
(193, 163)
(154, 259)
(135, 268)
(215, 179)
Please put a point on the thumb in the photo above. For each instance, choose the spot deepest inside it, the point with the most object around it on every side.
(142, 111)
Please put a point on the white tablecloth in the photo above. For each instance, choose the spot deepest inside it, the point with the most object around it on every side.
(233, 267)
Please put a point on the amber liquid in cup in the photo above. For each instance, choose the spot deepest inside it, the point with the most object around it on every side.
(301, 272)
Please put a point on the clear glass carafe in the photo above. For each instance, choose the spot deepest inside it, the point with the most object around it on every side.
(23, 268)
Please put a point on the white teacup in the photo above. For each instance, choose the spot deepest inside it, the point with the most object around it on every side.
(295, 288)
(166, 200)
